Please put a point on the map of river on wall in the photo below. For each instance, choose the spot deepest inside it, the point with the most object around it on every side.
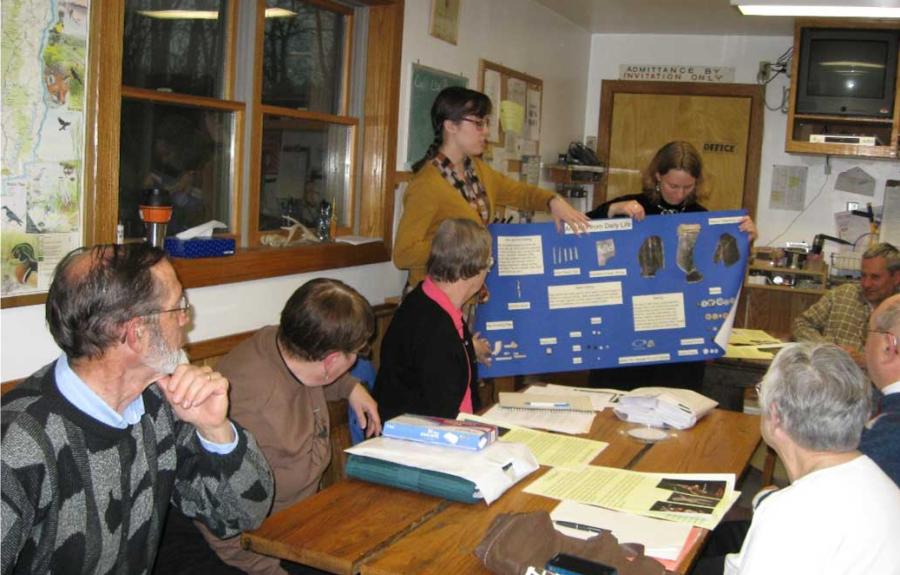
(44, 46)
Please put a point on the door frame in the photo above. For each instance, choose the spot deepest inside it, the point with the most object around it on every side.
(756, 93)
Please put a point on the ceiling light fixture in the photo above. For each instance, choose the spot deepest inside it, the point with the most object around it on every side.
(820, 8)
(206, 14)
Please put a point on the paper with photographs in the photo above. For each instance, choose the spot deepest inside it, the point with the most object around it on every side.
(697, 499)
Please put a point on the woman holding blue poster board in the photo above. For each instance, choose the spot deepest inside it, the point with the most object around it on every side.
(672, 182)
(451, 181)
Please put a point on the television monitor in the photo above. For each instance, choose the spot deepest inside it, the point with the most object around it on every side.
(847, 72)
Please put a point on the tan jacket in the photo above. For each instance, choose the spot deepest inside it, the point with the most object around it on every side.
(290, 423)
(430, 199)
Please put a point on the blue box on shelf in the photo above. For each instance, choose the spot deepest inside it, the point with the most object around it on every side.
(200, 247)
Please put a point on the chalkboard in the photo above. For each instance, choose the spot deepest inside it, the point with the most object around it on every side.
(424, 88)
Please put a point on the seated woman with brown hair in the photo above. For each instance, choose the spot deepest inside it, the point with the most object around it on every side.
(428, 364)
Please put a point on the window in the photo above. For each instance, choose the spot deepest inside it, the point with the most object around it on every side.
(245, 110)
(177, 130)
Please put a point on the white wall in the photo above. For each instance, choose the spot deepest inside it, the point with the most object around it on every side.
(744, 54)
(518, 34)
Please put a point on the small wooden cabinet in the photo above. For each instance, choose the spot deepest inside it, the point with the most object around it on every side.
(800, 127)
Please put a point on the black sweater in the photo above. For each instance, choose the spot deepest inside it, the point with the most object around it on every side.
(424, 363)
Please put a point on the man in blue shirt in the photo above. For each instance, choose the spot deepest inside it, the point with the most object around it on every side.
(881, 436)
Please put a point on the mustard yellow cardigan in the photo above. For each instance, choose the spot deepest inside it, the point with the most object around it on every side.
(430, 199)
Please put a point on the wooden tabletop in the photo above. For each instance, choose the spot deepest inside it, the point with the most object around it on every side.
(356, 527)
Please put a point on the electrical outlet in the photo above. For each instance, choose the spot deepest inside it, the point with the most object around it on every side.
(852, 206)
(765, 70)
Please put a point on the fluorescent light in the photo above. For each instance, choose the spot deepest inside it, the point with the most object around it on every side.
(180, 14)
(820, 8)
(206, 14)
(279, 13)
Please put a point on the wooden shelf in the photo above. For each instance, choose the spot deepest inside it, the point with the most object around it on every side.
(795, 271)
(785, 289)
(847, 119)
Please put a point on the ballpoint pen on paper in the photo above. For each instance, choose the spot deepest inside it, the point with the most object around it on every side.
(547, 404)
(578, 526)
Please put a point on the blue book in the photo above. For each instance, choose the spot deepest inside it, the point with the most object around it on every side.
(470, 435)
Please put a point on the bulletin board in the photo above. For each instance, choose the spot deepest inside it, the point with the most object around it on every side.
(425, 85)
(511, 91)
(661, 290)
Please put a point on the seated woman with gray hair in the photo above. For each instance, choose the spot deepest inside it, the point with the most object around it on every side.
(841, 513)
(428, 363)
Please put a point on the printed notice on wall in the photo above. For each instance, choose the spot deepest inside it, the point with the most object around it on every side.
(788, 188)
(615, 295)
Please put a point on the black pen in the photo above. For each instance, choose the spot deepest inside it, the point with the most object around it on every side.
(578, 526)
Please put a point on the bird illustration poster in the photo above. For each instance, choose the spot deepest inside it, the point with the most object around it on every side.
(43, 140)
(625, 293)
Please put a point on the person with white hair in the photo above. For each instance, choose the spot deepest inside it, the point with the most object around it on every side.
(841, 513)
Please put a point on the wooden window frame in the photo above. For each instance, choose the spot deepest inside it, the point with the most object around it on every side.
(379, 123)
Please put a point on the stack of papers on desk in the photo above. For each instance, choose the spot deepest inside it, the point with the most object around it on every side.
(752, 344)
(691, 498)
(664, 407)
(492, 470)
(571, 422)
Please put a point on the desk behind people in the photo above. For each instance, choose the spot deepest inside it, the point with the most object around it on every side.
(389, 531)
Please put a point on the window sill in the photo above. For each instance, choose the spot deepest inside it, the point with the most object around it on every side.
(259, 263)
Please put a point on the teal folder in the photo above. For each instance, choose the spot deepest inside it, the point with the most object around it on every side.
(411, 478)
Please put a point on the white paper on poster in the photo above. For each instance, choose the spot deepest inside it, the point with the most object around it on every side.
(584, 295)
(658, 311)
(492, 90)
(520, 255)
(533, 116)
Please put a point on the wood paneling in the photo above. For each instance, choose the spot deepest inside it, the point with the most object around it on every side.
(380, 123)
(258, 263)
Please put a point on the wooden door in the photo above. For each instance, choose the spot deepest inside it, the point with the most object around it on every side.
(723, 121)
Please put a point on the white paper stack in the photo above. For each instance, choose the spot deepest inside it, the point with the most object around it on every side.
(664, 407)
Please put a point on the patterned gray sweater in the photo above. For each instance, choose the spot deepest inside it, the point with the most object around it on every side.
(79, 496)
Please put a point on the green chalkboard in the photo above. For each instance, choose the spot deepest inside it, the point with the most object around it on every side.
(424, 88)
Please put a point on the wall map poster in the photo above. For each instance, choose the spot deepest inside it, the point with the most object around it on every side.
(626, 293)
(43, 49)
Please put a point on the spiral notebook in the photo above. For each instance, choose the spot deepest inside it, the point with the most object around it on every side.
(512, 400)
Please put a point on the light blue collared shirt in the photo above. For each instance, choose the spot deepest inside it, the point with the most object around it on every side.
(83, 397)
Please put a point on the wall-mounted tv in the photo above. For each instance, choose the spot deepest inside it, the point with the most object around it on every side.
(847, 72)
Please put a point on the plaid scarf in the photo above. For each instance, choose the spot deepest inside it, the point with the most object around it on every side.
(470, 187)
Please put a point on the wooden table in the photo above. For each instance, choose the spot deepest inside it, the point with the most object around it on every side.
(356, 527)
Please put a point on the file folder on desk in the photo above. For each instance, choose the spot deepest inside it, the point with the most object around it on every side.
(411, 478)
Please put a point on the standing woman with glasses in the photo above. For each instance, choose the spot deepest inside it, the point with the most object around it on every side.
(451, 181)
(428, 362)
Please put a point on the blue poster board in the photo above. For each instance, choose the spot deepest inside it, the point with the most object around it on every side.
(627, 293)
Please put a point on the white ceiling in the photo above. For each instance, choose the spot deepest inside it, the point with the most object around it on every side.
(717, 17)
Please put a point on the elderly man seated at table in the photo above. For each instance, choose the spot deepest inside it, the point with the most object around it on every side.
(428, 363)
(881, 436)
(98, 443)
(841, 513)
(841, 316)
